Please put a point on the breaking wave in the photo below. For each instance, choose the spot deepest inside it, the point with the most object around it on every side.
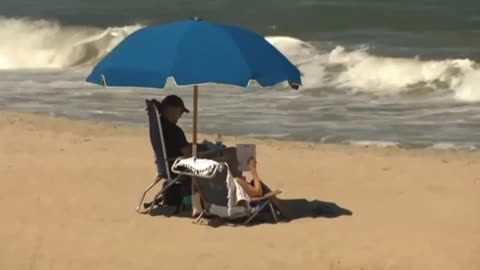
(360, 71)
(385, 75)
(34, 44)
(43, 44)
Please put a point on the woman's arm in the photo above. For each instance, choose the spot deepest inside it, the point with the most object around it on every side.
(254, 190)
(257, 184)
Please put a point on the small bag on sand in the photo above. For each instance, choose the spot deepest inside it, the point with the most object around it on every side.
(173, 196)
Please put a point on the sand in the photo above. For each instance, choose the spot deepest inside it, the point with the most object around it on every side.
(69, 190)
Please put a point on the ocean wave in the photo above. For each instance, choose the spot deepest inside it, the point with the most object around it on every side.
(44, 44)
(359, 71)
(433, 146)
(364, 72)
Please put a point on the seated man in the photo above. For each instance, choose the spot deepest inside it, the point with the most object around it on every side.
(171, 109)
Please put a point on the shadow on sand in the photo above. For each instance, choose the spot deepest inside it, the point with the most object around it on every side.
(293, 209)
(290, 210)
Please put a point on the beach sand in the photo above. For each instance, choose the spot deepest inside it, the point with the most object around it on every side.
(69, 190)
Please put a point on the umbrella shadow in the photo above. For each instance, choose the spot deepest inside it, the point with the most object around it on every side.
(294, 209)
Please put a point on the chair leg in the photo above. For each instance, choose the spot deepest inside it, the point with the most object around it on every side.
(157, 179)
(155, 199)
(273, 211)
(254, 214)
(197, 220)
(167, 186)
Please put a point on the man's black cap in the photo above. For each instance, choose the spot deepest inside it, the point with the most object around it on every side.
(174, 101)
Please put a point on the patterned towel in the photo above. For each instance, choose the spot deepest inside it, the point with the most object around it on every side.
(198, 166)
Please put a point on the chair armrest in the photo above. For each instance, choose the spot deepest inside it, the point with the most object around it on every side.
(266, 196)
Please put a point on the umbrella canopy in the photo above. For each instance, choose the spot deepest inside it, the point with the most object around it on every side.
(194, 52)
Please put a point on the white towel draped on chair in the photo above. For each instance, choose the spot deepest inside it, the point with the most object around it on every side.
(236, 193)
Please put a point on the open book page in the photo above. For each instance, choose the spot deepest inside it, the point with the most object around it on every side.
(244, 152)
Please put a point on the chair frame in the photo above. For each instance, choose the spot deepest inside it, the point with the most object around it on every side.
(266, 198)
(159, 177)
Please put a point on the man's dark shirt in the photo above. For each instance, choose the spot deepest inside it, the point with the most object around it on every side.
(174, 138)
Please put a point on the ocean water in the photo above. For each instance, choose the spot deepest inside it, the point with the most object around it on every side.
(375, 72)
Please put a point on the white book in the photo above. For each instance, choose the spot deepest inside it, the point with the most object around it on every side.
(244, 153)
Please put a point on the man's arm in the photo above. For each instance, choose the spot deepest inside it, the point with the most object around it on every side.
(187, 151)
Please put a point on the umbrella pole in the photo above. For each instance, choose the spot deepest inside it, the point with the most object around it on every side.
(195, 117)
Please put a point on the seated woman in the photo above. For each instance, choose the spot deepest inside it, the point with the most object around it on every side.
(254, 188)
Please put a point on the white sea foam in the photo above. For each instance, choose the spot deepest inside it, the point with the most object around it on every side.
(381, 144)
(304, 56)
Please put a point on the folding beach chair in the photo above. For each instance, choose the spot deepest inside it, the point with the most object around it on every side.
(158, 145)
(213, 192)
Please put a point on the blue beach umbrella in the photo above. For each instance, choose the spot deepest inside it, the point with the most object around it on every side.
(194, 52)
